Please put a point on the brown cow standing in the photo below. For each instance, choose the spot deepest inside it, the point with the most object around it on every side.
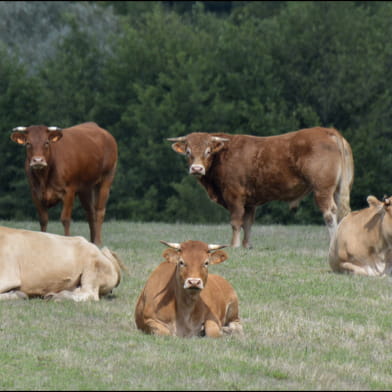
(241, 172)
(179, 300)
(60, 164)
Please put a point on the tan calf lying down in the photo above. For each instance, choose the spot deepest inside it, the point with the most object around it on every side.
(179, 300)
(363, 241)
(36, 264)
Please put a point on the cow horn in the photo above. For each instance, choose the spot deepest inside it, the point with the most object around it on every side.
(177, 139)
(54, 129)
(219, 139)
(19, 129)
(173, 245)
(212, 247)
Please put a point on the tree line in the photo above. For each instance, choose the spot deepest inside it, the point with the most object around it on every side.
(147, 71)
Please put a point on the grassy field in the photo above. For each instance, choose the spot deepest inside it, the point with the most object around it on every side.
(305, 327)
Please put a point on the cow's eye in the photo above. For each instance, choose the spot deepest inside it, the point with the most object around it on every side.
(46, 144)
(188, 151)
(28, 145)
(206, 263)
(181, 263)
(207, 152)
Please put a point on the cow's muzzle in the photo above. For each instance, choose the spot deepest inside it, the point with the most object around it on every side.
(193, 284)
(197, 170)
(38, 163)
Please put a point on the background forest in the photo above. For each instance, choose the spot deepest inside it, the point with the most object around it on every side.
(147, 71)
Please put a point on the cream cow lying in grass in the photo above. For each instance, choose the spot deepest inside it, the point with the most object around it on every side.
(37, 264)
(363, 241)
(179, 300)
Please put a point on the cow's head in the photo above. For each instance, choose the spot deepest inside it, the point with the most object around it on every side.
(383, 211)
(192, 259)
(199, 148)
(37, 139)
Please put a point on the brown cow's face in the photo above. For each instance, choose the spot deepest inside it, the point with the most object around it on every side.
(37, 140)
(192, 259)
(199, 149)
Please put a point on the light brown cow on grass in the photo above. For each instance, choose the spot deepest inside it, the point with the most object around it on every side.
(241, 172)
(363, 241)
(179, 300)
(36, 264)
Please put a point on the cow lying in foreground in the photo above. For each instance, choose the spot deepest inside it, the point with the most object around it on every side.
(179, 300)
(35, 264)
(241, 172)
(363, 241)
(63, 163)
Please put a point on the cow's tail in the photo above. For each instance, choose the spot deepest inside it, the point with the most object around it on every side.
(343, 190)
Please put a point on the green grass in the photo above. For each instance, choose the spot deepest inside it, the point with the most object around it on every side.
(304, 327)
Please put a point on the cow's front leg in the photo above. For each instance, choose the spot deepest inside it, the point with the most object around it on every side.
(154, 327)
(237, 218)
(43, 215)
(66, 212)
(212, 329)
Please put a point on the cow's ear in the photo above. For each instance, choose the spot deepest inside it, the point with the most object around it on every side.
(217, 146)
(218, 256)
(55, 136)
(18, 137)
(373, 201)
(170, 255)
(179, 147)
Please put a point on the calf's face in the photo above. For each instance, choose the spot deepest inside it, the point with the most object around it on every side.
(199, 148)
(192, 259)
(37, 140)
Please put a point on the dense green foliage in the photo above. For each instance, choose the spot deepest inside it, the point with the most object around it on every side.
(147, 71)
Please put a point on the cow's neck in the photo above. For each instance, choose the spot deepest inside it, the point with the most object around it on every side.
(40, 183)
(187, 299)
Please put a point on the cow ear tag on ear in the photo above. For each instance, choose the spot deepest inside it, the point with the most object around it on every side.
(55, 137)
(18, 138)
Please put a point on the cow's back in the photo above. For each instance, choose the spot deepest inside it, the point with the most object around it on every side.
(282, 167)
(85, 150)
(46, 262)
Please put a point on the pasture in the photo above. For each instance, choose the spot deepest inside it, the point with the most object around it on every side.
(305, 328)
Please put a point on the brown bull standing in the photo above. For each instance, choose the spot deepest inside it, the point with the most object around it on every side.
(60, 164)
(241, 172)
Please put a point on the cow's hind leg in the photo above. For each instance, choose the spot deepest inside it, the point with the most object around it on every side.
(233, 328)
(87, 199)
(326, 203)
(13, 294)
(10, 283)
(77, 295)
(66, 212)
(351, 268)
(101, 198)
